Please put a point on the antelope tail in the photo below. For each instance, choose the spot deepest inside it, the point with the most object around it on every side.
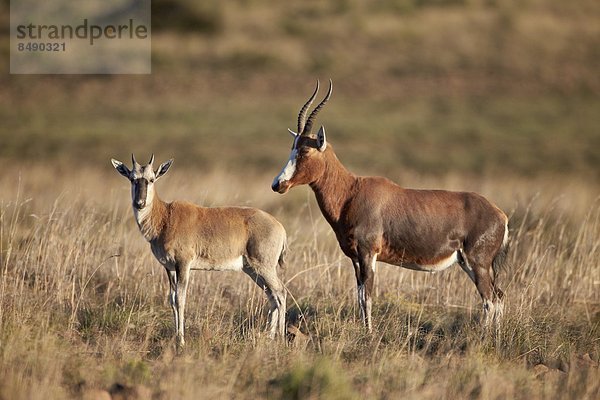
(283, 254)
(500, 259)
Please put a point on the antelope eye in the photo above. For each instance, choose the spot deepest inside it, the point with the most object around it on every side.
(303, 152)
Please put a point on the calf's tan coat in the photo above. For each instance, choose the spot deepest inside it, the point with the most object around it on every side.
(184, 237)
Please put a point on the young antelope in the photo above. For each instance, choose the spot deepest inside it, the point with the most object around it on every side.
(184, 237)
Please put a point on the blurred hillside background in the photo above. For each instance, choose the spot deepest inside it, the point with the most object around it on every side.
(476, 87)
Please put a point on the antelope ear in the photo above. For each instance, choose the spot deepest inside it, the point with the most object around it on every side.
(321, 140)
(164, 167)
(121, 168)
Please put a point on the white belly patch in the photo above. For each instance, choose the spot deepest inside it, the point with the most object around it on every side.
(439, 266)
(235, 264)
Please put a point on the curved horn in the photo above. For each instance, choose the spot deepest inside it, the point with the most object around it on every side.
(133, 160)
(313, 114)
(304, 109)
(151, 160)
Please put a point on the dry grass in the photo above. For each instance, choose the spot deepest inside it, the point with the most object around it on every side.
(83, 303)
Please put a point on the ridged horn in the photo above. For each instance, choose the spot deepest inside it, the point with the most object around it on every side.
(313, 114)
(151, 160)
(304, 109)
(133, 160)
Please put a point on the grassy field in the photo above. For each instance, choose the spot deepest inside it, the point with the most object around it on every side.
(496, 97)
(84, 302)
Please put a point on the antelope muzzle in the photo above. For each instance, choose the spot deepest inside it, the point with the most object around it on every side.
(139, 193)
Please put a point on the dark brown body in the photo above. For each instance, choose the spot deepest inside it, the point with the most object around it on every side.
(375, 219)
(406, 226)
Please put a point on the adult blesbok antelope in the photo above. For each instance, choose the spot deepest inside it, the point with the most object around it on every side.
(374, 219)
(184, 237)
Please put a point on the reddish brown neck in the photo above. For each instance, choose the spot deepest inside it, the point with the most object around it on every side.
(334, 187)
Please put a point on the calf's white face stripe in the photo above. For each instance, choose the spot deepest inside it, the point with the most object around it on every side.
(290, 167)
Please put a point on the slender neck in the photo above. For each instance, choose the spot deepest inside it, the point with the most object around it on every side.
(151, 218)
(335, 186)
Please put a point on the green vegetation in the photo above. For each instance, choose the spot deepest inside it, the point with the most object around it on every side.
(505, 135)
(476, 87)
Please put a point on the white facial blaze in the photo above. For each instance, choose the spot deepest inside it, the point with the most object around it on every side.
(142, 216)
(289, 169)
(149, 194)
